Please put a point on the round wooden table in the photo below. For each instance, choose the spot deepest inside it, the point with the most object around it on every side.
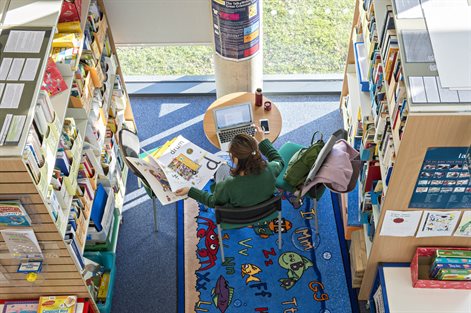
(273, 116)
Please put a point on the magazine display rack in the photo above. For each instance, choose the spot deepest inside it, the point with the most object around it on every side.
(393, 123)
(95, 128)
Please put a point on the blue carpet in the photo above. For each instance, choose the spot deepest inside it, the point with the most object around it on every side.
(306, 275)
(146, 261)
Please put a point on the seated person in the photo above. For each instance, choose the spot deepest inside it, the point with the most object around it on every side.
(251, 181)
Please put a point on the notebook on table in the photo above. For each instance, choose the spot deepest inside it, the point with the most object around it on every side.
(231, 121)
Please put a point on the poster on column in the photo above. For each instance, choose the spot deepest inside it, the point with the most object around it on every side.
(444, 180)
(236, 27)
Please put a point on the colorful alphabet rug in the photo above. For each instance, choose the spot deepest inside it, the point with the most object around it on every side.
(306, 275)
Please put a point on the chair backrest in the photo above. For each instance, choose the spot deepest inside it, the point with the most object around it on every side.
(247, 215)
(130, 146)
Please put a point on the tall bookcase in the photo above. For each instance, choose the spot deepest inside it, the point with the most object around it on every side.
(61, 272)
(393, 126)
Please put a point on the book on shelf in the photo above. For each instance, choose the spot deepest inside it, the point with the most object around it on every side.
(57, 304)
(453, 253)
(71, 11)
(69, 27)
(62, 163)
(435, 270)
(449, 260)
(32, 165)
(53, 82)
(22, 243)
(20, 306)
(373, 173)
(388, 24)
(98, 207)
(67, 40)
(12, 213)
(454, 274)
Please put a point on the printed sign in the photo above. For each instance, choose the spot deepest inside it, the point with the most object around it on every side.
(444, 180)
(236, 26)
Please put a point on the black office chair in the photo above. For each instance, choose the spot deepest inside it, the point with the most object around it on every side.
(231, 218)
(130, 147)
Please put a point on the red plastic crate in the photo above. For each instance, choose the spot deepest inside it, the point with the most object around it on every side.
(420, 267)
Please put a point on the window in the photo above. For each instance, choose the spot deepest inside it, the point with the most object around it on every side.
(300, 37)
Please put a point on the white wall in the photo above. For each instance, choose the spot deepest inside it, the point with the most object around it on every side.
(160, 22)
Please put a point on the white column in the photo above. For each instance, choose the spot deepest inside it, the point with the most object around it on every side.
(234, 75)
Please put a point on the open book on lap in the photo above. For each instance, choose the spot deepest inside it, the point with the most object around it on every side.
(178, 164)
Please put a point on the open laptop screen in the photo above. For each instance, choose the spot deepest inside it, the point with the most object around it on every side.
(232, 116)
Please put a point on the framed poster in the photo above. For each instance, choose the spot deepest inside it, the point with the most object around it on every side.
(444, 180)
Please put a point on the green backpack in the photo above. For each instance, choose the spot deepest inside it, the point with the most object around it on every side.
(302, 161)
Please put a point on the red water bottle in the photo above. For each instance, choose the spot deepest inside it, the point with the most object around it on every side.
(258, 97)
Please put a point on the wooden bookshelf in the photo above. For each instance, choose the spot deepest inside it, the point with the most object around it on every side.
(60, 275)
(422, 126)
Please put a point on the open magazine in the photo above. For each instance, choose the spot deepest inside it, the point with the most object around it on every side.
(178, 163)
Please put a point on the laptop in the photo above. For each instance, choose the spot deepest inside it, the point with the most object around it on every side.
(231, 121)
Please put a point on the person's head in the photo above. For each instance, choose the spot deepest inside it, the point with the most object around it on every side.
(246, 156)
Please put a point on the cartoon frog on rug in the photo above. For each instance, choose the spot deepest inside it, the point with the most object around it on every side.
(296, 265)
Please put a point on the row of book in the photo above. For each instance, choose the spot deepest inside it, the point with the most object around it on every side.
(451, 265)
(67, 43)
(380, 131)
(42, 137)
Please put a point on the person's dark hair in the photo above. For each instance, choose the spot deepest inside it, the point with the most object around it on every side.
(245, 149)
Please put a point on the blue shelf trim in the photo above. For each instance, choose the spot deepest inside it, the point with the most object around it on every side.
(379, 280)
(343, 248)
(180, 259)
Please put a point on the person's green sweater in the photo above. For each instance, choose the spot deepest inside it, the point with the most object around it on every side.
(245, 191)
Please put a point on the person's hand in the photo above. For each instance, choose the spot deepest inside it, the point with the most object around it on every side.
(259, 134)
(182, 191)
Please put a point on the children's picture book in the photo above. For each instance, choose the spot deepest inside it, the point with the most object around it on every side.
(453, 253)
(177, 164)
(12, 213)
(20, 307)
(53, 82)
(464, 228)
(22, 243)
(438, 223)
(187, 165)
(156, 179)
(57, 304)
(400, 223)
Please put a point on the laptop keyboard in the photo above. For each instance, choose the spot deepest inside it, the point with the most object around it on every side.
(227, 135)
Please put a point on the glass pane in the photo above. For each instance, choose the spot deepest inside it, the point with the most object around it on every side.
(171, 60)
(306, 36)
